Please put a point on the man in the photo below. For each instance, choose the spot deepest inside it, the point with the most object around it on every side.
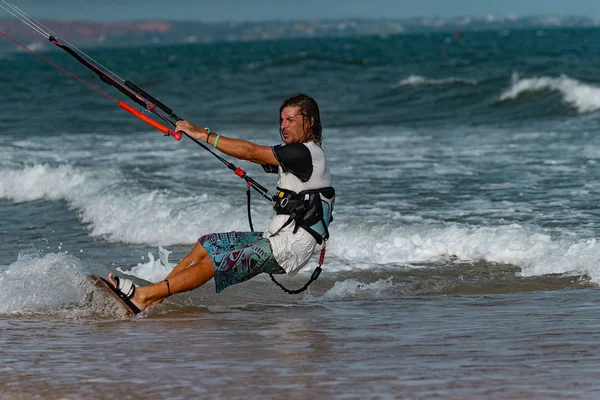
(304, 205)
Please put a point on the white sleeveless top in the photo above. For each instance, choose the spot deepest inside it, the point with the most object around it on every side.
(292, 251)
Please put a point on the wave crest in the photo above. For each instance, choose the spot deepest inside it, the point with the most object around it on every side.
(119, 211)
(418, 80)
(584, 98)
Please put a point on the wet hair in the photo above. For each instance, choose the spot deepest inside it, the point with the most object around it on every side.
(309, 110)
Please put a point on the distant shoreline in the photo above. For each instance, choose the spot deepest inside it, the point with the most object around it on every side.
(149, 32)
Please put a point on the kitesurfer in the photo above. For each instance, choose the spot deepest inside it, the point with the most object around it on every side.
(303, 203)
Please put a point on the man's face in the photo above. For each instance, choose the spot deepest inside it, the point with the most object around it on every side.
(291, 125)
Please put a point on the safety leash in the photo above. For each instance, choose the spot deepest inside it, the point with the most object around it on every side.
(313, 278)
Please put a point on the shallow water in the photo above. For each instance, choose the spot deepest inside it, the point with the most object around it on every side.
(522, 345)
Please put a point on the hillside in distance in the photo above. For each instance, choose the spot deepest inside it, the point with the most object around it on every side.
(133, 33)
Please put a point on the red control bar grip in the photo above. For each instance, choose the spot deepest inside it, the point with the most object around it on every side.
(148, 120)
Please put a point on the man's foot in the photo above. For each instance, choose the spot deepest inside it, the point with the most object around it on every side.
(127, 287)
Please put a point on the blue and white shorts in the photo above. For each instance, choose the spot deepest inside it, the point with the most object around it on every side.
(239, 256)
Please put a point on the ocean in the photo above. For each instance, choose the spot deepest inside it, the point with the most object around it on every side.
(463, 259)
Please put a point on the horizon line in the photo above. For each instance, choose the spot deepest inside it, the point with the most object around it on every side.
(495, 18)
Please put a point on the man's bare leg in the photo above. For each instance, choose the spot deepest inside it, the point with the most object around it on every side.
(192, 272)
(198, 252)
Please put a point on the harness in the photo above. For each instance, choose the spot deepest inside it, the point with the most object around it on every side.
(311, 210)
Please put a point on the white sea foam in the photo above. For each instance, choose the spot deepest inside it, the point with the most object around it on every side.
(536, 252)
(41, 182)
(581, 96)
(118, 212)
(35, 283)
(352, 289)
(53, 284)
(354, 247)
(155, 269)
(418, 80)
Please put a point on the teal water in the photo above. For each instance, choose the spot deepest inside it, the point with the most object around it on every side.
(467, 179)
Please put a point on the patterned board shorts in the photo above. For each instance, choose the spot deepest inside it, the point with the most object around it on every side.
(239, 256)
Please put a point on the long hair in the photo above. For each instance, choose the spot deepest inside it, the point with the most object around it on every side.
(310, 112)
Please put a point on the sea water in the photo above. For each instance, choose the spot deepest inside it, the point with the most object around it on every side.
(463, 259)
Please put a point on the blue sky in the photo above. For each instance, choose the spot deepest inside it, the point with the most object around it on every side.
(256, 10)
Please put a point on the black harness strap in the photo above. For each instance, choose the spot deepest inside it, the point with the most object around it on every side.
(313, 277)
(248, 194)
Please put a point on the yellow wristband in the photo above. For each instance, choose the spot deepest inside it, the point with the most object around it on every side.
(216, 140)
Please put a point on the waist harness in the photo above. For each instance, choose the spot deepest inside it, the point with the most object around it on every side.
(311, 210)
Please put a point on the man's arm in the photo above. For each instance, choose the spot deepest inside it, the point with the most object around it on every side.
(240, 149)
